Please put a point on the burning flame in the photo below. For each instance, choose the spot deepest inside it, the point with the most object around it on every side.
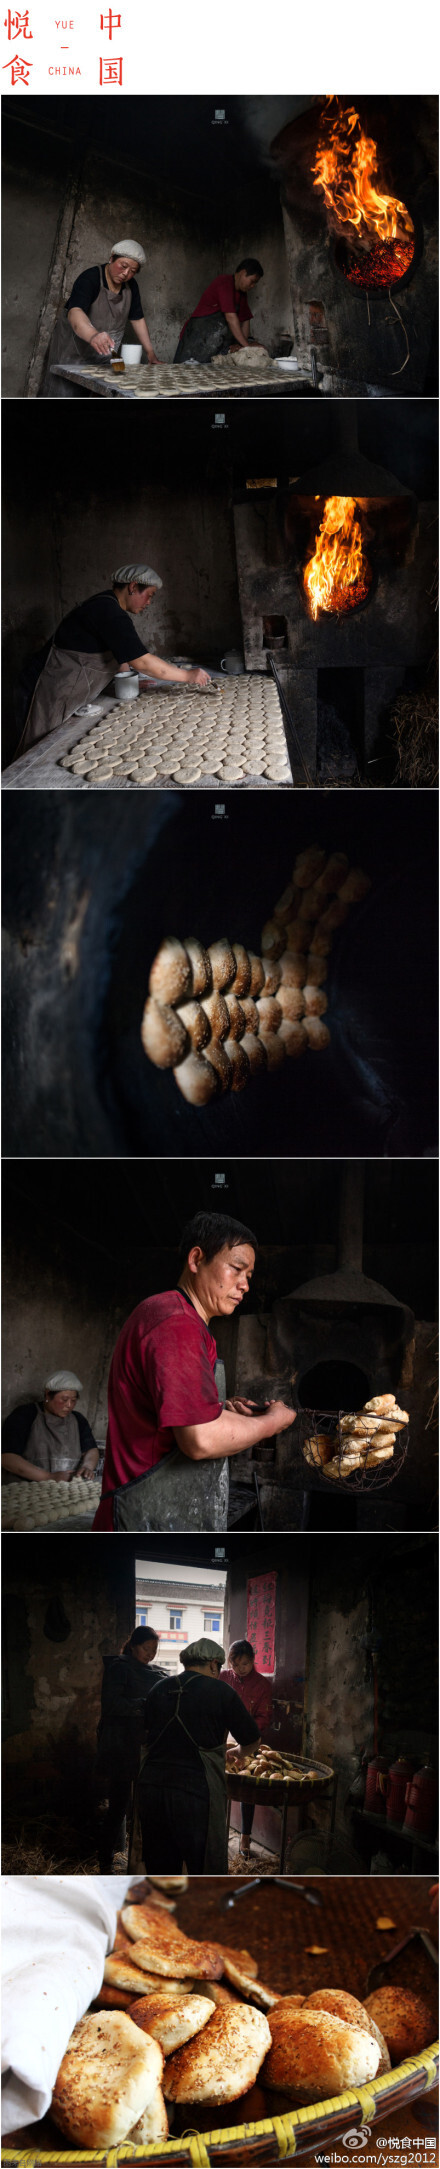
(338, 576)
(346, 170)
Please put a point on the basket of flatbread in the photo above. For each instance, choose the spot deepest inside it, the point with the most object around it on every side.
(187, 2056)
(366, 1446)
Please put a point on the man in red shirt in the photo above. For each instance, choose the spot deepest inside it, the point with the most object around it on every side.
(222, 317)
(162, 1392)
(256, 1693)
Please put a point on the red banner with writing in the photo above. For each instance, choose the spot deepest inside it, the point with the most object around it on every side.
(260, 1629)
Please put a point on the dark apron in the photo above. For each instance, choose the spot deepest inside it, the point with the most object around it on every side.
(68, 679)
(110, 312)
(177, 1493)
(215, 1860)
(203, 337)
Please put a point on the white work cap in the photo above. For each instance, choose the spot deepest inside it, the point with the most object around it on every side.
(142, 574)
(63, 1382)
(131, 249)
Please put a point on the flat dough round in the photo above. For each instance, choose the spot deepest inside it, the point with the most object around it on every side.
(162, 1948)
(153, 2124)
(172, 2020)
(314, 2055)
(223, 2061)
(404, 2019)
(341, 2005)
(106, 2080)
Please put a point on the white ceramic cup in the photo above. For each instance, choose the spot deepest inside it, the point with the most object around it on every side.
(131, 355)
(126, 684)
(233, 663)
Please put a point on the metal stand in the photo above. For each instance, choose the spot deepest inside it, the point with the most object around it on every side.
(260, 1882)
(329, 1794)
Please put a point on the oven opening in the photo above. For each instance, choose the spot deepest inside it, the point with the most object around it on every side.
(375, 236)
(274, 632)
(334, 1385)
(340, 724)
(388, 263)
(337, 576)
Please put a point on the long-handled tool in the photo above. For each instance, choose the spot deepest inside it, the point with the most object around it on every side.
(375, 1975)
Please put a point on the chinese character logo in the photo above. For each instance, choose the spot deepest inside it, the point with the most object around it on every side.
(17, 26)
(110, 23)
(110, 71)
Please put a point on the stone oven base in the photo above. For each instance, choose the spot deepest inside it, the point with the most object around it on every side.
(337, 719)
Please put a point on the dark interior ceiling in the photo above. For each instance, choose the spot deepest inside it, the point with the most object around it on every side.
(178, 445)
(172, 139)
(370, 1555)
(183, 447)
(109, 1217)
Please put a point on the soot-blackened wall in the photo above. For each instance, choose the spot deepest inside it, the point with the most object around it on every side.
(59, 1625)
(389, 1585)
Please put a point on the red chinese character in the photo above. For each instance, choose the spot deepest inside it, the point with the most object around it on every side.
(110, 71)
(16, 24)
(19, 70)
(110, 22)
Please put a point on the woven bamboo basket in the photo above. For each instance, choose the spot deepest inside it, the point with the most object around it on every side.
(276, 2138)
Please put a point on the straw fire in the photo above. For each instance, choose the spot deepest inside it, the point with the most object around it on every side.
(338, 576)
(377, 226)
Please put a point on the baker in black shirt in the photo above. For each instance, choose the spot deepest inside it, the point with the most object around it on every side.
(181, 1794)
(94, 640)
(93, 322)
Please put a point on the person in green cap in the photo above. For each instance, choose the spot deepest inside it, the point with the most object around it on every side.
(181, 1794)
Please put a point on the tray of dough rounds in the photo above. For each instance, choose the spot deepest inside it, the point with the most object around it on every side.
(30, 1505)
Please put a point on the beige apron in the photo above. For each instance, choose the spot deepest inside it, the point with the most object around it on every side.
(68, 679)
(110, 312)
(54, 1442)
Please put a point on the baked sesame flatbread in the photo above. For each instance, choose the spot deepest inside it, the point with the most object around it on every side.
(160, 1947)
(106, 2080)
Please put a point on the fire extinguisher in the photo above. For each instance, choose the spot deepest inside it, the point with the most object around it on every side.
(421, 1802)
(399, 1776)
(377, 1773)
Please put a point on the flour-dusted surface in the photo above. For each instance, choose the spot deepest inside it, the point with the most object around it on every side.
(180, 380)
(183, 736)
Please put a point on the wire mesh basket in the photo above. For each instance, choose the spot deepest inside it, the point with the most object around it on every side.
(320, 1427)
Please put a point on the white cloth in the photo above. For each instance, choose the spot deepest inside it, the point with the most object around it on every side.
(57, 1931)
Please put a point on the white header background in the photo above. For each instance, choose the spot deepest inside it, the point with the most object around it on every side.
(238, 47)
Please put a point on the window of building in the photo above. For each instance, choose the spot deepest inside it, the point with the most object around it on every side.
(175, 1620)
(142, 1619)
(211, 1623)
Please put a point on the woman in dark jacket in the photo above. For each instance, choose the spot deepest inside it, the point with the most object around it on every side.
(125, 1687)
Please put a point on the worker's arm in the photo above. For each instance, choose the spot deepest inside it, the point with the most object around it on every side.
(142, 334)
(17, 1466)
(88, 1463)
(231, 1433)
(241, 1725)
(236, 329)
(153, 666)
(99, 342)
